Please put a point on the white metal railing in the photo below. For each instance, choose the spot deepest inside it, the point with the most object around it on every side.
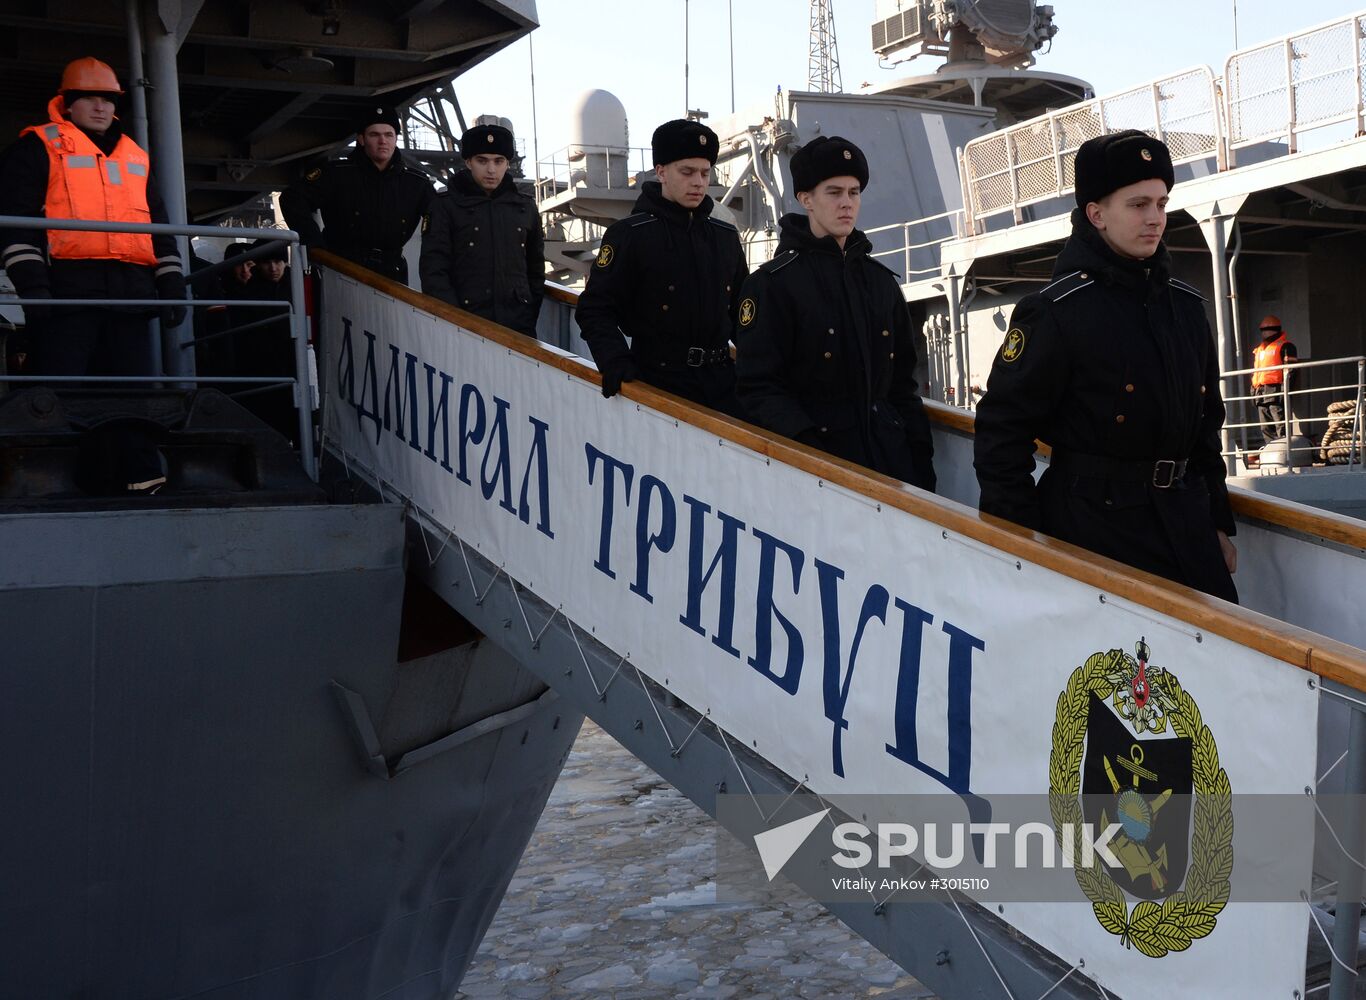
(1300, 83)
(581, 166)
(1340, 442)
(1310, 81)
(1032, 162)
(175, 370)
(907, 250)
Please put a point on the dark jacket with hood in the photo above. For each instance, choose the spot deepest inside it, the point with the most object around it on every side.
(826, 354)
(1112, 365)
(485, 253)
(668, 278)
(368, 214)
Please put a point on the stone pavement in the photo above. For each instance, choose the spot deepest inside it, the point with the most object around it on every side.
(616, 898)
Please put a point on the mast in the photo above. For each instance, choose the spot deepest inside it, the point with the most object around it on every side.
(823, 59)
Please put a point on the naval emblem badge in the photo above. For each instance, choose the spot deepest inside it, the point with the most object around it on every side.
(1129, 746)
(746, 312)
(605, 255)
(1146, 154)
(848, 155)
(1013, 346)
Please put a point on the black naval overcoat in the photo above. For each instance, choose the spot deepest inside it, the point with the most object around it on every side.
(668, 278)
(368, 214)
(1113, 365)
(826, 354)
(485, 253)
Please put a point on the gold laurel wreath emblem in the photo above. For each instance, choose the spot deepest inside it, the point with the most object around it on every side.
(1184, 916)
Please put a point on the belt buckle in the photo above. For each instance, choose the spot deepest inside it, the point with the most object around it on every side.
(696, 357)
(1170, 470)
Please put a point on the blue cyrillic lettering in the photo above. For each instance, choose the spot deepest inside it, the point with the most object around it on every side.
(663, 539)
(609, 493)
(725, 557)
(766, 611)
(538, 460)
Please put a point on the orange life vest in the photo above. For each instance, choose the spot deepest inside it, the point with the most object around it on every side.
(83, 183)
(1264, 356)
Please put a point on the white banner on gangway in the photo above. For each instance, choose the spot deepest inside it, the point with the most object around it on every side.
(850, 643)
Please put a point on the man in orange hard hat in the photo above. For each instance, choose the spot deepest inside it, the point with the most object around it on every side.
(1270, 382)
(79, 164)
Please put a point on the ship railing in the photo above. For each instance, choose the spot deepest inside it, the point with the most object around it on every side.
(1309, 81)
(1032, 162)
(1312, 81)
(178, 367)
(587, 167)
(907, 249)
(1333, 434)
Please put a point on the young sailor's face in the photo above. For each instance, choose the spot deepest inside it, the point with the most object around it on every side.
(274, 270)
(94, 113)
(684, 182)
(1132, 219)
(242, 271)
(833, 206)
(378, 142)
(488, 170)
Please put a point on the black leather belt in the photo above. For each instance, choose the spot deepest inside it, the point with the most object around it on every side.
(706, 357)
(692, 357)
(1163, 474)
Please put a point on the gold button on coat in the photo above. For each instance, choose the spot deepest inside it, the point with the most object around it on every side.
(828, 355)
(1129, 387)
(1119, 419)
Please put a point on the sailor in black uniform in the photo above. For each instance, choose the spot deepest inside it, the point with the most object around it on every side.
(482, 246)
(1113, 366)
(826, 349)
(668, 278)
(371, 201)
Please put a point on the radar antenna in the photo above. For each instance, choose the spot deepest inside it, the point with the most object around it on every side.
(823, 62)
(996, 32)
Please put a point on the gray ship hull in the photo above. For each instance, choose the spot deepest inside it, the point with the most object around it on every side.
(225, 783)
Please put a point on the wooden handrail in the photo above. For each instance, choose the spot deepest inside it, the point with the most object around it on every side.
(1308, 650)
(559, 293)
(1247, 505)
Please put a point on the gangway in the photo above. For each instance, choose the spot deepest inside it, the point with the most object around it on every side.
(778, 632)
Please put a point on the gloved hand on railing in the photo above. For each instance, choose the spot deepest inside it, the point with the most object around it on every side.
(616, 372)
(171, 285)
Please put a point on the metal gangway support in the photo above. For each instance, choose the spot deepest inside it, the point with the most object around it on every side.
(798, 644)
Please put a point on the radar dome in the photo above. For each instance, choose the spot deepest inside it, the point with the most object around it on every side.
(599, 119)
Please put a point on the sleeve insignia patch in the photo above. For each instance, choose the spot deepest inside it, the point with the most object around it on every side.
(313, 174)
(1014, 345)
(747, 311)
(605, 255)
(426, 222)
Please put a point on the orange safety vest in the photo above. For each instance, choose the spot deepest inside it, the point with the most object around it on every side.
(1264, 356)
(83, 183)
